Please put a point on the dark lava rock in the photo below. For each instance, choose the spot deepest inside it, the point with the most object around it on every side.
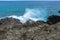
(58, 11)
(53, 19)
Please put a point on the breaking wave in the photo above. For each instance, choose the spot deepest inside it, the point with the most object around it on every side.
(35, 14)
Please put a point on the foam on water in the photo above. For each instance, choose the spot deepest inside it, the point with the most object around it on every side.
(35, 14)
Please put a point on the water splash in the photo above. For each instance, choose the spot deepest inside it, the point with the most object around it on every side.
(36, 14)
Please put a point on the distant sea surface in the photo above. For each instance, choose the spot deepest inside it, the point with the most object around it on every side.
(18, 8)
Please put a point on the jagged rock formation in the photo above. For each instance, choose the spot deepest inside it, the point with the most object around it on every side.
(13, 29)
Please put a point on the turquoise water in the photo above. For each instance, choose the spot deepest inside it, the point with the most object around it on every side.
(18, 8)
(8, 10)
(14, 8)
(29, 9)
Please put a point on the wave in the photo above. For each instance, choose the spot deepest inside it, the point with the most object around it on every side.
(35, 14)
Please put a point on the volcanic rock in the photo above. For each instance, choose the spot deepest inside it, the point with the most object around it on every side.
(13, 29)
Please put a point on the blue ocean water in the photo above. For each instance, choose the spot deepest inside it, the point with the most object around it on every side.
(25, 10)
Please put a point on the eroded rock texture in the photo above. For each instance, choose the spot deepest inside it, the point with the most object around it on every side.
(12, 29)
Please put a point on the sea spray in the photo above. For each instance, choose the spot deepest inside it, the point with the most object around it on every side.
(35, 14)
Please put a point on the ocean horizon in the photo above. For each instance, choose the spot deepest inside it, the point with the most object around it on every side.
(25, 10)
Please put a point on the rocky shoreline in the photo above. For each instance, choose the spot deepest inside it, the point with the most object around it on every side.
(13, 29)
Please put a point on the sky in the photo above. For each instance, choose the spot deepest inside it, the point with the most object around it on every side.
(29, 0)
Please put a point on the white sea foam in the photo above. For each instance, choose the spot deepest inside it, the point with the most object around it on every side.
(32, 14)
(35, 14)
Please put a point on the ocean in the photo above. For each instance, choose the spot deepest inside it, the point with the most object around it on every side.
(26, 10)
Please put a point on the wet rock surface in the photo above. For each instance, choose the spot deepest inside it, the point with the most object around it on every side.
(13, 29)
